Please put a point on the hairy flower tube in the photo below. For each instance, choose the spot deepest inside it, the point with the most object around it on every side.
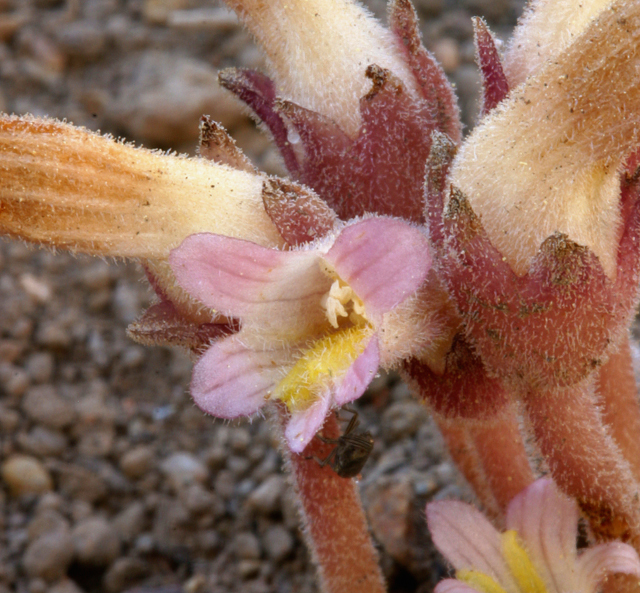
(316, 323)
(535, 554)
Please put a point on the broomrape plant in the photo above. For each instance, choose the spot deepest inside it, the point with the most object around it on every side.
(499, 274)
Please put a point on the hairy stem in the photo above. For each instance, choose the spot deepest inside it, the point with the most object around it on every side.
(616, 386)
(491, 455)
(503, 455)
(464, 453)
(334, 522)
(584, 459)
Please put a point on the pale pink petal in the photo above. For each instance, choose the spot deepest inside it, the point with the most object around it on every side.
(547, 522)
(231, 380)
(384, 260)
(360, 374)
(597, 562)
(453, 586)
(467, 540)
(304, 424)
(278, 291)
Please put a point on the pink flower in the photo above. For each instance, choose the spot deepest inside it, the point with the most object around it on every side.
(537, 553)
(316, 322)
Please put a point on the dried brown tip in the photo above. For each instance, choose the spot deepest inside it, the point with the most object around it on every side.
(216, 145)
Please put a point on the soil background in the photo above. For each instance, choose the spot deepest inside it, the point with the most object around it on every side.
(112, 480)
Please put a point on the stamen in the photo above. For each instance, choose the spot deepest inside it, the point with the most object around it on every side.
(342, 301)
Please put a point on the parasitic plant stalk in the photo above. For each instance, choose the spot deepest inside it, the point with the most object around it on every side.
(334, 523)
(584, 459)
(618, 394)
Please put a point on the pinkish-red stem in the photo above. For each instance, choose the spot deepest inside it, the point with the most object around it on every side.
(584, 459)
(502, 452)
(464, 453)
(616, 386)
(334, 522)
(491, 455)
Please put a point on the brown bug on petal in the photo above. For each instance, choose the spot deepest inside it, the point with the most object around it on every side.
(351, 450)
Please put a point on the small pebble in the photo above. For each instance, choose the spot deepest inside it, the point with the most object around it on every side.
(49, 556)
(137, 462)
(54, 335)
(37, 288)
(246, 546)
(25, 475)
(247, 569)
(447, 52)
(278, 543)
(96, 542)
(97, 443)
(66, 586)
(80, 483)
(402, 419)
(183, 469)
(42, 442)
(197, 499)
(43, 405)
(266, 498)
(9, 420)
(124, 573)
(37, 586)
(47, 522)
(224, 484)
(40, 367)
(130, 522)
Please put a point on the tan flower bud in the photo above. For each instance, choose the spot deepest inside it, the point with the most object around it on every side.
(547, 159)
(319, 51)
(71, 188)
(546, 29)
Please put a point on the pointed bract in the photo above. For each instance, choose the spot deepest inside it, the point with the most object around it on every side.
(495, 87)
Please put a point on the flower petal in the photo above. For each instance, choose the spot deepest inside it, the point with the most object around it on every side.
(356, 380)
(277, 291)
(453, 586)
(304, 424)
(467, 540)
(547, 522)
(384, 260)
(597, 562)
(231, 380)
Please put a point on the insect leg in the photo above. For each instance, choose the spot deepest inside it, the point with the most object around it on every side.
(325, 461)
(353, 423)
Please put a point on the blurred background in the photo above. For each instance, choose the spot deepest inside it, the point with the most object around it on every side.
(110, 479)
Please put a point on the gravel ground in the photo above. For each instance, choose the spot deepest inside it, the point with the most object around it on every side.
(111, 480)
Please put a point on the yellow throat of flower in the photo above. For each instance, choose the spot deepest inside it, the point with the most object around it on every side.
(524, 574)
(325, 361)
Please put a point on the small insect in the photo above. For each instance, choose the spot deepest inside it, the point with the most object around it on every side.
(351, 450)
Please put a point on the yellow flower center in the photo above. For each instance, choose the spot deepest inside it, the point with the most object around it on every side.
(520, 564)
(524, 573)
(325, 361)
